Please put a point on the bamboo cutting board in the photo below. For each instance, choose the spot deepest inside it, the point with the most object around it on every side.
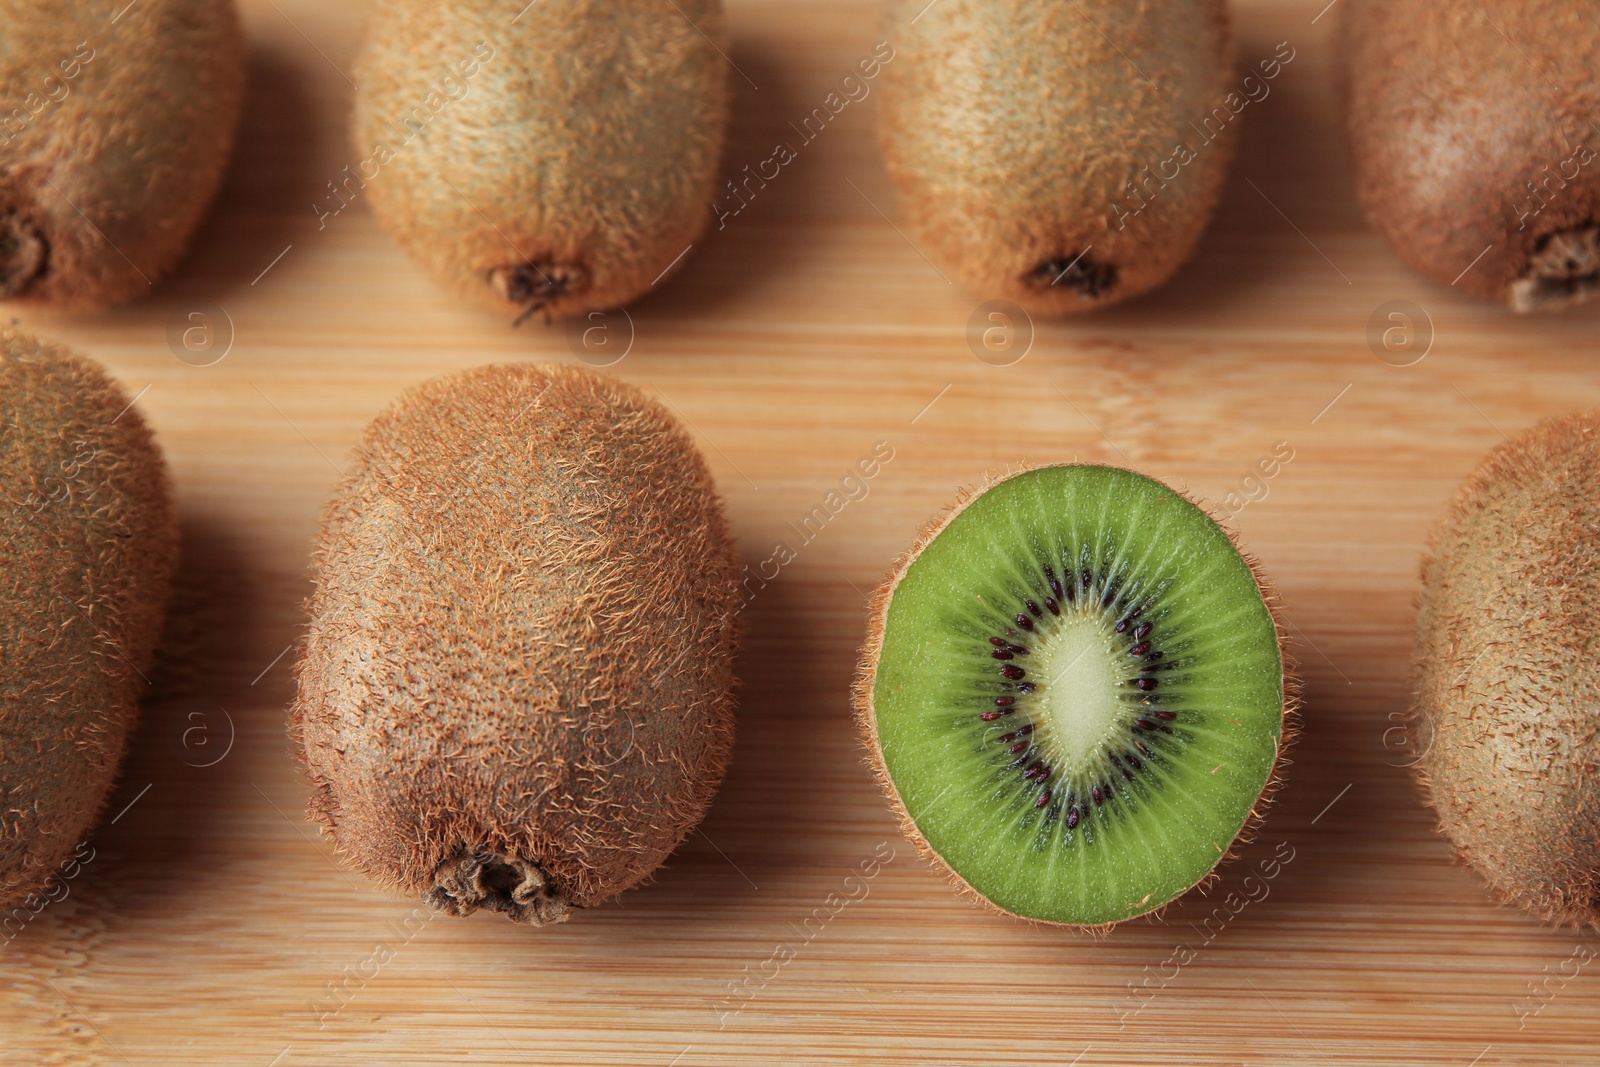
(213, 926)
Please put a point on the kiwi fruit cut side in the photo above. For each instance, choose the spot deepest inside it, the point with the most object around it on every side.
(88, 546)
(1506, 683)
(516, 692)
(1472, 130)
(1023, 138)
(121, 120)
(561, 161)
(1074, 694)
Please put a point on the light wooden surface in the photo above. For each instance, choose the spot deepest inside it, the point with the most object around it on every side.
(212, 921)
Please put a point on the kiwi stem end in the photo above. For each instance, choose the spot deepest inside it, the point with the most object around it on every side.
(536, 285)
(23, 254)
(1563, 271)
(1078, 273)
(509, 884)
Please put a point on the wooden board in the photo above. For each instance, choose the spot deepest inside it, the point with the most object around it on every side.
(213, 926)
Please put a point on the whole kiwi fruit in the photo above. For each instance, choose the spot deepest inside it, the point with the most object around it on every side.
(1507, 692)
(1472, 129)
(562, 160)
(516, 690)
(1074, 694)
(118, 125)
(88, 545)
(1062, 156)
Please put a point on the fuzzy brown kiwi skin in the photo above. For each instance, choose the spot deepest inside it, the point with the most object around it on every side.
(88, 536)
(519, 558)
(103, 186)
(1451, 111)
(572, 171)
(1505, 676)
(1012, 189)
(861, 693)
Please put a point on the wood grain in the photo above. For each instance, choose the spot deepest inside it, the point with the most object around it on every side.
(213, 923)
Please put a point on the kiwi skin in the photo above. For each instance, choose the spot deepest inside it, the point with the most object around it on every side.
(578, 165)
(102, 188)
(1506, 682)
(1470, 127)
(1012, 129)
(89, 537)
(867, 722)
(516, 689)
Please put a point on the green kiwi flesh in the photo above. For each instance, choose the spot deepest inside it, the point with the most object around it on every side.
(1075, 691)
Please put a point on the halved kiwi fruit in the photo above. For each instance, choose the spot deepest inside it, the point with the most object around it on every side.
(1074, 691)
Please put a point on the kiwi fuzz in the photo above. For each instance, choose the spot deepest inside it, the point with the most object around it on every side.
(575, 174)
(103, 190)
(1027, 149)
(24, 254)
(91, 536)
(516, 691)
(1504, 682)
(1054, 613)
(1562, 272)
(1477, 175)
